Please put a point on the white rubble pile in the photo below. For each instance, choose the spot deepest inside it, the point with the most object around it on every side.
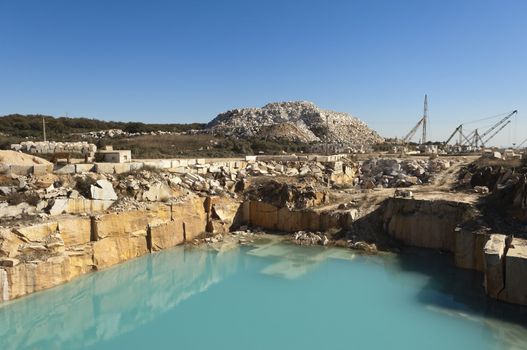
(392, 172)
(115, 133)
(302, 120)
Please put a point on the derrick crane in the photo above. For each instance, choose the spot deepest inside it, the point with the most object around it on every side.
(521, 144)
(412, 132)
(423, 121)
(497, 131)
(459, 130)
(501, 122)
(474, 139)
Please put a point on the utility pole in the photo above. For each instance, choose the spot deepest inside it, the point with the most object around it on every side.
(44, 127)
(425, 119)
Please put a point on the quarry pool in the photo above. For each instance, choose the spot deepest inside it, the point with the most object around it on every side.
(271, 296)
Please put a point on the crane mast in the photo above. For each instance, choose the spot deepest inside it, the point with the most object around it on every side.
(425, 119)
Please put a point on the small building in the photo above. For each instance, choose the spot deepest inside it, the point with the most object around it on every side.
(109, 155)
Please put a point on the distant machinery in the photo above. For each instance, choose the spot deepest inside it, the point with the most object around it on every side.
(521, 144)
(423, 121)
(474, 139)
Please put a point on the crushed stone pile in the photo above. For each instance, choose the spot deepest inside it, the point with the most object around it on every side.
(392, 172)
(295, 121)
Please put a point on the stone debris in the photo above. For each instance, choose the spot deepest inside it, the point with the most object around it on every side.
(403, 193)
(50, 147)
(481, 189)
(310, 238)
(295, 121)
(363, 246)
(393, 172)
(95, 190)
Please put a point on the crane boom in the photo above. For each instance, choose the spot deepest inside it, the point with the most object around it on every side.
(507, 117)
(494, 134)
(521, 144)
(414, 129)
(453, 134)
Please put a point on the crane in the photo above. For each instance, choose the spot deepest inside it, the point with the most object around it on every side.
(503, 122)
(459, 130)
(497, 131)
(476, 139)
(521, 144)
(423, 121)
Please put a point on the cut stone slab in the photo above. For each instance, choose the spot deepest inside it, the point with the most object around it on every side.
(103, 189)
(494, 259)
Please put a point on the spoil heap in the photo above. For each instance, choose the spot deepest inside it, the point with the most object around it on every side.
(295, 121)
(393, 172)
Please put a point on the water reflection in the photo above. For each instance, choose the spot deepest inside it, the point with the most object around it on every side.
(458, 293)
(102, 306)
(112, 302)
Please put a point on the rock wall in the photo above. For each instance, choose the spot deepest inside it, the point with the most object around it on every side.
(41, 256)
(422, 223)
(270, 217)
(438, 225)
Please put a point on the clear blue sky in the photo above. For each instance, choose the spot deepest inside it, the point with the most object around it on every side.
(183, 61)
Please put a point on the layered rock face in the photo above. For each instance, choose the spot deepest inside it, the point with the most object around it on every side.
(426, 224)
(439, 225)
(41, 256)
(296, 121)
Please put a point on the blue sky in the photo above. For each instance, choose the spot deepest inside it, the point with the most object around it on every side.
(184, 61)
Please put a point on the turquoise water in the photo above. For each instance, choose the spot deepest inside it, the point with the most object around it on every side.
(274, 296)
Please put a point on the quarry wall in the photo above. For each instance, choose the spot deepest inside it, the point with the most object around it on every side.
(48, 254)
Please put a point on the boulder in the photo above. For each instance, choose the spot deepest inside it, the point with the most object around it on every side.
(103, 190)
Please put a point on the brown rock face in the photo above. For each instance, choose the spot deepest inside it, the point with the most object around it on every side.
(166, 235)
(515, 273)
(426, 224)
(469, 249)
(75, 230)
(191, 216)
(285, 220)
(113, 250)
(42, 256)
(120, 224)
(27, 278)
(494, 260)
